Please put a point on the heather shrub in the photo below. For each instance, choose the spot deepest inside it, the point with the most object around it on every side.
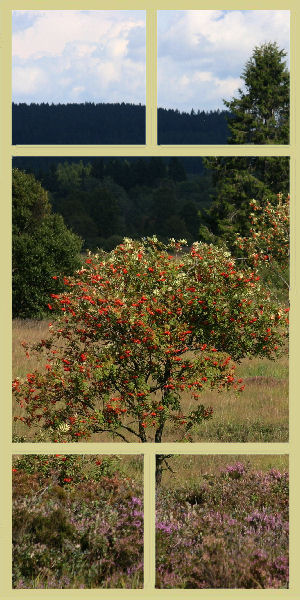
(230, 531)
(72, 533)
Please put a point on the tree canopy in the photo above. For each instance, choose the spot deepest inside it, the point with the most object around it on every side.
(42, 247)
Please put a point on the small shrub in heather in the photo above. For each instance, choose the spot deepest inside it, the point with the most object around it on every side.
(231, 531)
(76, 524)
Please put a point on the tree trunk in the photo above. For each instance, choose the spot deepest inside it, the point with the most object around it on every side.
(159, 468)
(160, 459)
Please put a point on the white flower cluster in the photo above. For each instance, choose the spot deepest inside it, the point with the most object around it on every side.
(63, 427)
(128, 242)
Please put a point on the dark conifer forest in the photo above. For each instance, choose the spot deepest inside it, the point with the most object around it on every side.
(118, 123)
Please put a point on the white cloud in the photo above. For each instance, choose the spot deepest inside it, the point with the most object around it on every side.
(51, 31)
(76, 91)
(79, 51)
(207, 50)
(28, 80)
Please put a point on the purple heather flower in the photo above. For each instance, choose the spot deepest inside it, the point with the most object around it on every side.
(135, 500)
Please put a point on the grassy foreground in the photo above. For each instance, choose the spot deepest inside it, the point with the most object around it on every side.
(226, 521)
(258, 414)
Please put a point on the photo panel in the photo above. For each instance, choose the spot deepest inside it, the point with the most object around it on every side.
(226, 519)
(79, 76)
(77, 521)
(150, 299)
(227, 81)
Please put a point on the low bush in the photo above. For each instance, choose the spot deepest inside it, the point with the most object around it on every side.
(231, 531)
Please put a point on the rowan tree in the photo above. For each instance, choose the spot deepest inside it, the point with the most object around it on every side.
(141, 325)
(267, 247)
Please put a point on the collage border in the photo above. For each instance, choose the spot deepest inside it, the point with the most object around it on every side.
(148, 450)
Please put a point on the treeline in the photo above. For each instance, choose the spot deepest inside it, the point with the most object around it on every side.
(175, 127)
(119, 123)
(86, 123)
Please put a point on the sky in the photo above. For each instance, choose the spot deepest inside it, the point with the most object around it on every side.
(202, 53)
(99, 56)
(79, 56)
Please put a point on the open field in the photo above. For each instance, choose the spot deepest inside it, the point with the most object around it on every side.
(258, 414)
(222, 522)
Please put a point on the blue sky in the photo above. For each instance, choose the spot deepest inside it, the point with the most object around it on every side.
(99, 56)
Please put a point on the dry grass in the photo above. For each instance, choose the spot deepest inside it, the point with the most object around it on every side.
(259, 414)
(188, 470)
(31, 332)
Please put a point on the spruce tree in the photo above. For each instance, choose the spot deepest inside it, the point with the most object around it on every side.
(260, 115)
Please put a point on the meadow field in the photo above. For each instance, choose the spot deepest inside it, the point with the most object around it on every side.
(226, 520)
(258, 414)
(77, 522)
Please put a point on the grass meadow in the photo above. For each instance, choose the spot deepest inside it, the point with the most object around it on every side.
(258, 414)
(226, 519)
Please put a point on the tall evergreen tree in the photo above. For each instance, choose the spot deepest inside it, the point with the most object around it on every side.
(260, 115)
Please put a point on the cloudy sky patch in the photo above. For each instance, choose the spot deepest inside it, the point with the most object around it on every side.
(202, 53)
(99, 56)
(79, 56)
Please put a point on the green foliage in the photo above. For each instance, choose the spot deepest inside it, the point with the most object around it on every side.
(176, 169)
(43, 248)
(268, 245)
(30, 203)
(67, 469)
(72, 175)
(108, 199)
(237, 181)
